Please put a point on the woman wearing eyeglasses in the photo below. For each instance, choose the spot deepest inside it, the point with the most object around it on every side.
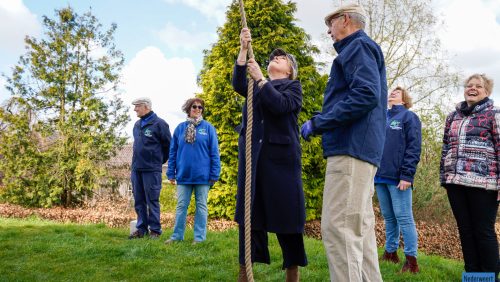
(277, 195)
(193, 164)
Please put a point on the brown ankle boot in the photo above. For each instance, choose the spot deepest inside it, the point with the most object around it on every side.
(410, 265)
(390, 257)
(292, 274)
(242, 276)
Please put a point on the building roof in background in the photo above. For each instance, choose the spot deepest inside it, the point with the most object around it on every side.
(123, 157)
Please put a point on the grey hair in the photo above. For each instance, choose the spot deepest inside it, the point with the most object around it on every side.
(358, 19)
(148, 105)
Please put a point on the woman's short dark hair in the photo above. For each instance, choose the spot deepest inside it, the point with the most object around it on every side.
(189, 103)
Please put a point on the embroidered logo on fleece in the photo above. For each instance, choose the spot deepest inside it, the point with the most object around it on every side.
(395, 124)
(202, 131)
(148, 133)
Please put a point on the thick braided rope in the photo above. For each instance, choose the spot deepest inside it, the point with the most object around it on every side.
(248, 183)
(248, 163)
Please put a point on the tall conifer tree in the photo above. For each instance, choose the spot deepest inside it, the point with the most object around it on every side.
(67, 81)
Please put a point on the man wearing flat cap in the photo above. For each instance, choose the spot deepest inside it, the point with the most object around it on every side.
(352, 125)
(151, 148)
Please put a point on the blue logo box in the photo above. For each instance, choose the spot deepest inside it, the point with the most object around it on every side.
(478, 277)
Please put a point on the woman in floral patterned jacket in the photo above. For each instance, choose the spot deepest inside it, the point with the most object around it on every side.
(470, 173)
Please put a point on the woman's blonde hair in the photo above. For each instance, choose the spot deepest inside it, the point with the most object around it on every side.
(405, 96)
(488, 82)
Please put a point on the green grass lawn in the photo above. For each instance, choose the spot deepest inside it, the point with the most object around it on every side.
(39, 250)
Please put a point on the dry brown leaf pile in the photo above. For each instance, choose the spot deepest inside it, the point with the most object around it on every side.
(433, 238)
(111, 213)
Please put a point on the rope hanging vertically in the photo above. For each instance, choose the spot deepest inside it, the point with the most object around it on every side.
(248, 161)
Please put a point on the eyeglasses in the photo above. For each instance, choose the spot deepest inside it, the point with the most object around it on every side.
(199, 107)
(336, 17)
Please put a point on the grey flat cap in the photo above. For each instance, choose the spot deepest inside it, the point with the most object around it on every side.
(142, 100)
(350, 8)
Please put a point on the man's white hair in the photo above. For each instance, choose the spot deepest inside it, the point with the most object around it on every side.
(358, 19)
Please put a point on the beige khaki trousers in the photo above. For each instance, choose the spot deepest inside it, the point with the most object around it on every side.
(348, 221)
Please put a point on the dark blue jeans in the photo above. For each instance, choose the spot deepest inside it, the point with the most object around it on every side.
(475, 211)
(146, 186)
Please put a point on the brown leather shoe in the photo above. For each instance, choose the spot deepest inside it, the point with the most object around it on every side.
(153, 235)
(242, 276)
(292, 274)
(410, 265)
(136, 235)
(390, 257)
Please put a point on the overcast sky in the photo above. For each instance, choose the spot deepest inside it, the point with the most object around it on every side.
(162, 40)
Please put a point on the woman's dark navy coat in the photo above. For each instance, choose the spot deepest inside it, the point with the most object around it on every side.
(277, 195)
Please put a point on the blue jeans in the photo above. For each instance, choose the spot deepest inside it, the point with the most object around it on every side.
(396, 208)
(200, 217)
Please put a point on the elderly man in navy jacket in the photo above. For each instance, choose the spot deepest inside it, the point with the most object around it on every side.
(352, 124)
(151, 146)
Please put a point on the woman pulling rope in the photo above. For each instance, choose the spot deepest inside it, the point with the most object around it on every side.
(273, 172)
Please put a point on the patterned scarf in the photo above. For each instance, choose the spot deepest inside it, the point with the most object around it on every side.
(191, 129)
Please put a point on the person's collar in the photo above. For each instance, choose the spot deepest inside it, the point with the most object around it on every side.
(467, 110)
(194, 120)
(397, 107)
(276, 77)
(147, 116)
(486, 99)
(280, 81)
(340, 45)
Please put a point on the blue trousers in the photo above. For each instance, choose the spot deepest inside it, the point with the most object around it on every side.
(146, 187)
(184, 192)
(396, 208)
